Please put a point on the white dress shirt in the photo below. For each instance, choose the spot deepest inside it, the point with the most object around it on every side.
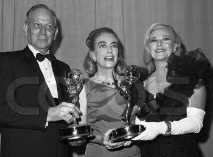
(47, 71)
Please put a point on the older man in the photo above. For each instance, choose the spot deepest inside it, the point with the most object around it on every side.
(33, 92)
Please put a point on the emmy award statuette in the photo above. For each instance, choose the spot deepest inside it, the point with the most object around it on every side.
(76, 134)
(124, 84)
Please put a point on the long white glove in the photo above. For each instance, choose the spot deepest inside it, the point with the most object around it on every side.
(191, 124)
(153, 129)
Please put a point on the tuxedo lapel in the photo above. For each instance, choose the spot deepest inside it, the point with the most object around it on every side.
(33, 65)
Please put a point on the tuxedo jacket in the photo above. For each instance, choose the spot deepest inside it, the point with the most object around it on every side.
(24, 102)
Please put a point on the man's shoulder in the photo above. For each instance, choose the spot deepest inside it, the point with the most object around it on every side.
(9, 58)
(62, 62)
(63, 65)
(11, 53)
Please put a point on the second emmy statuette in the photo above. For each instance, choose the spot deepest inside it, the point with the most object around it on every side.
(124, 85)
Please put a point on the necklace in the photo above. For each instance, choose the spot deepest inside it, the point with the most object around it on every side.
(98, 79)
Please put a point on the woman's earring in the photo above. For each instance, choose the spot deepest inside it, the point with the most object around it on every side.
(94, 60)
(175, 48)
(92, 57)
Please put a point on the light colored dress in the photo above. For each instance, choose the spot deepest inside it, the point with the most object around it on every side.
(105, 106)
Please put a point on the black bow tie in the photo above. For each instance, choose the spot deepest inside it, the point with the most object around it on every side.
(40, 57)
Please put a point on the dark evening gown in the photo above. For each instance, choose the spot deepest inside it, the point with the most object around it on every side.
(105, 106)
(183, 73)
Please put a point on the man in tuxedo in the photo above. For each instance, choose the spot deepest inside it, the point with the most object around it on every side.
(33, 92)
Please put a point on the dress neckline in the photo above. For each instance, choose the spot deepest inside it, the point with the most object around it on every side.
(101, 83)
(98, 80)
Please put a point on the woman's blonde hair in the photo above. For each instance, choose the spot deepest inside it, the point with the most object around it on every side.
(148, 60)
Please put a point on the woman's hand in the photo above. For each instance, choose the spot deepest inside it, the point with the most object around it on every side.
(110, 145)
(153, 129)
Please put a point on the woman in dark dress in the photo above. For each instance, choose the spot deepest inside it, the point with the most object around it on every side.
(177, 95)
(99, 99)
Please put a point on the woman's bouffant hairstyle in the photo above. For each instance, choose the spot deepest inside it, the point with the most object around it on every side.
(148, 60)
(90, 66)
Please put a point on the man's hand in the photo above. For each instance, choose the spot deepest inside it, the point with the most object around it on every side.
(64, 111)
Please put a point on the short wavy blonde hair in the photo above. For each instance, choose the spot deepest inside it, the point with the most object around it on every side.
(148, 60)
